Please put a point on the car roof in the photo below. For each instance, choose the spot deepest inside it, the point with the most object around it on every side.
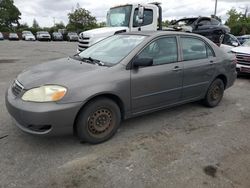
(159, 33)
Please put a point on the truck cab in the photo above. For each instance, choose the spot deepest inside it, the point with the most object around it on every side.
(124, 18)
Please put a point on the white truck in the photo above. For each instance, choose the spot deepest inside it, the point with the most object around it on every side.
(124, 18)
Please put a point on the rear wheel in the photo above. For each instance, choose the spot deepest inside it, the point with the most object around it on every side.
(98, 121)
(215, 93)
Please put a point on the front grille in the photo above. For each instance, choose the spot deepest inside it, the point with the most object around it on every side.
(85, 38)
(83, 42)
(17, 88)
(243, 59)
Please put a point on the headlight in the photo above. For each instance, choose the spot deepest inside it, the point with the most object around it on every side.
(46, 93)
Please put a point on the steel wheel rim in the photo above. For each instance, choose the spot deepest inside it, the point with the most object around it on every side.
(216, 93)
(100, 122)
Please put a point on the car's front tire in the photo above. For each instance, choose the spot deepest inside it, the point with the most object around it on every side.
(98, 121)
(214, 93)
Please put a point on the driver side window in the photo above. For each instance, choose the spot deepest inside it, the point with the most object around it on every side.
(162, 51)
(148, 17)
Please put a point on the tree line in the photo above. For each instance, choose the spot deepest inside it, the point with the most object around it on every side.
(80, 19)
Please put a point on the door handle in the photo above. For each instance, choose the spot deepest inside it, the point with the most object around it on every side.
(177, 68)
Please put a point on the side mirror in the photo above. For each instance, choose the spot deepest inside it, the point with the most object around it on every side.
(140, 15)
(142, 62)
(141, 12)
(235, 44)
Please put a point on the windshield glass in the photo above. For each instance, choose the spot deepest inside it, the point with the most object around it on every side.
(247, 43)
(119, 16)
(43, 32)
(112, 50)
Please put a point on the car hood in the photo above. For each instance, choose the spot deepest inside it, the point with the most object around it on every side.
(226, 48)
(102, 32)
(242, 49)
(66, 72)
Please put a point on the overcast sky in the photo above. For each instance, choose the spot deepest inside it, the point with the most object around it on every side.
(45, 11)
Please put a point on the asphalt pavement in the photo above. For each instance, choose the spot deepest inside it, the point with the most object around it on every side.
(186, 146)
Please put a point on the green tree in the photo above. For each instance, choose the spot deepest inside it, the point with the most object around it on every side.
(9, 15)
(80, 20)
(238, 22)
(35, 24)
(234, 17)
(165, 23)
(57, 26)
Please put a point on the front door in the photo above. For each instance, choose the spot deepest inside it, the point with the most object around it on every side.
(158, 85)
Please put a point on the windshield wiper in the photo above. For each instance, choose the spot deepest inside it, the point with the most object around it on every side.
(87, 60)
(94, 61)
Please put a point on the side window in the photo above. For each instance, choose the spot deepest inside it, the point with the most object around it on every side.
(193, 49)
(148, 17)
(210, 52)
(205, 22)
(215, 22)
(163, 51)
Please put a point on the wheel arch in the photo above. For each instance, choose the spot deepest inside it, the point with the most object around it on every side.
(223, 78)
(110, 96)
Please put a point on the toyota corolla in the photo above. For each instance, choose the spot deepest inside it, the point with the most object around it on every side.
(120, 77)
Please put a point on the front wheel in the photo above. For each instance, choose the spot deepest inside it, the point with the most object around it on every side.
(98, 121)
(214, 93)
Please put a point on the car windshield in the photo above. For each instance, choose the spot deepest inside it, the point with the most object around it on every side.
(26, 32)
(43, 32)
(246, 43)
(112, 50)
(184, 22)
(72, 34)
(119, 16)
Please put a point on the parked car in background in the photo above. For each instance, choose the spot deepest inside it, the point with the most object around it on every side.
(72, 36)
(1, 36)
(120, 77)
(43, 36)
(246, 43)
(56, 36)
(205, 26)
(29, 37)
(13, 36)
(243, 38)
(229, 42)
(243, 57)
(24, 33)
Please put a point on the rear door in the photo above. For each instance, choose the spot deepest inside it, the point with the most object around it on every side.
(158, 85)
(199, 66)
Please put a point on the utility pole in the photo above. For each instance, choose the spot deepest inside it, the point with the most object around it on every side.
(215, 8)
(54, 20)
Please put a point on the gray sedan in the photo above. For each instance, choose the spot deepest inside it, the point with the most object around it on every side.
(120, 77)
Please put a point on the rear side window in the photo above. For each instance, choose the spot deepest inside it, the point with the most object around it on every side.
(194, 49)
(205, 22)
(215, 22)
(148, 17)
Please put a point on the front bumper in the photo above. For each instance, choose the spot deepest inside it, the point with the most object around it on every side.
(42, 118)
(243, 68)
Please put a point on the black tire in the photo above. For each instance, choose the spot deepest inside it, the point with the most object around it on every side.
(98, 121)
(214, 93)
